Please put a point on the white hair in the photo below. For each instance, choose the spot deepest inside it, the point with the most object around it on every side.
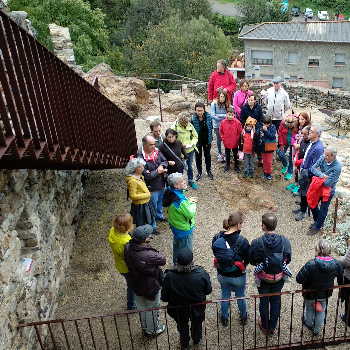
(174, 178)
(333, 150)
(133, 164)
(318, 129)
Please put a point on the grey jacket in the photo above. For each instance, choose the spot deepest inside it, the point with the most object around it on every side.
(345, 261)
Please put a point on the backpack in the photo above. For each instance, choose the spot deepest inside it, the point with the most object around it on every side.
(226, 265)
(272, 262)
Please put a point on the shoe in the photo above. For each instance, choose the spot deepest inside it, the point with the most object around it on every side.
(272, 333)
(288, 177)
(296, 211)
(226, 169)
(193, 185)
(298, 202)
(220, 158)
(210, 175)
(269, 176)
(198, 177)
(224, 321)
(343, 317)
(284, 169)
(156, 231)
(244, 320)
(245, 175)
(311, 226)
(237, 170)
(251, 174)
(261, 327)
(297, 194)
(197, 345)
(312, 231)
(261, 163)
(134, 307)
(162, 219)
(160, 330)
(290, 187)
(295, 189)
(300, 216)
(264, 176)
(305, 324)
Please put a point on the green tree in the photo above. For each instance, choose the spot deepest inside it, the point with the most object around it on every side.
(258, 11)
(229, 25)
(87, 28)
(192, 8)
(189, 48)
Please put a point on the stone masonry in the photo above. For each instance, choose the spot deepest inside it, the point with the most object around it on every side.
(38, 220)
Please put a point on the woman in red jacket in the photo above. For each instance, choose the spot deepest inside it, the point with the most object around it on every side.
(230, 130)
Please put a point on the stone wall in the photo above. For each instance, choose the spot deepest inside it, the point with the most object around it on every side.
(38, 220)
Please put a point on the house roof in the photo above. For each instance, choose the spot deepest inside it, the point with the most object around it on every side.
(338, 32)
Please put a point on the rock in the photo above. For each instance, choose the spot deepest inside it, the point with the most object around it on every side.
(175, 104)
(153, 118)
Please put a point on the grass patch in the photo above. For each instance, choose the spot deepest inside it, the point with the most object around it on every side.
(228, 1)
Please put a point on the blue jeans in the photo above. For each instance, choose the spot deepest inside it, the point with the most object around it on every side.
(129, 292)
(190, 168)
(282, 155)
(310, 314)
(218, 140)
(157, 199)
(178, 244)
(149, 319)
(274, 301)
(319, 214)
(237, 284)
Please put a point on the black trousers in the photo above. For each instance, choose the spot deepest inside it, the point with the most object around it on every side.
(196, 330)
(228, 155)
(203, 149)
(347, 296)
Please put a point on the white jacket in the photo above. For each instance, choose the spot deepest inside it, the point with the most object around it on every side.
(277, 103)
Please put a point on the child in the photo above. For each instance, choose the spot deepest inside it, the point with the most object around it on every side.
(257, 273)
(230, 130)
(286, 140)
(267, 145)
(218, 114)
(248, 145)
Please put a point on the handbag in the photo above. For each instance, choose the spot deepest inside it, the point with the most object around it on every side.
(270, 146)
(184, 164)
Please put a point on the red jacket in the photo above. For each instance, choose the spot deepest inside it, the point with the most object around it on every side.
(225, 80)
(282, 135)
(230, 131)
(317, 190)
(297, 161)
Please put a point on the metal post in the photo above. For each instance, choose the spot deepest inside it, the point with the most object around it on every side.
(335, 214)
(206, 86)
(339, 125)
(296, 100)
(327, 98)
(160, 103)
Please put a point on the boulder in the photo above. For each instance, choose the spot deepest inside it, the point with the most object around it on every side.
(175, 104)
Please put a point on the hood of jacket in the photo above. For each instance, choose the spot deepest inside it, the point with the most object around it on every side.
(326, 265)
(221, 250)
(171, 195)
(272, 240)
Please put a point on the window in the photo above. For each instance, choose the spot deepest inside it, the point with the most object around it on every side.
(339, 59)
(314, 62)
(292, 57)
(338, 83)
(262, 57)
(262, 76)
(293, 77)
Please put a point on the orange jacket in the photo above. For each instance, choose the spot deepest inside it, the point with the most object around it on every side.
(317, 190)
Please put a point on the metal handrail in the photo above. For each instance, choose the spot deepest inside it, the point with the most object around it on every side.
(51, 117)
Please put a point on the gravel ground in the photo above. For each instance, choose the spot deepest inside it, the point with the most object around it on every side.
(94, 286)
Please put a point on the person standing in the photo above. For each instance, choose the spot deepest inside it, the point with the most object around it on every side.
(201, 121)
(153, 172)
(221, 80)
(240, 98)
(277, 102)
(118, 237)
(345, 262)
(156, 132)
(184, 285)
(144, 264)
(328, 170)
(187, 135)
(272, 250)
(181, 212)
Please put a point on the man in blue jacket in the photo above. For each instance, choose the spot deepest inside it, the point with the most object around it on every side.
(260, 249)
(327, 167)
(202, 122)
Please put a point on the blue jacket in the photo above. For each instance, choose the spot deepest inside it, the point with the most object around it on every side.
(269, 134)
(333, 171)
(215, 110)
(207, 120)
(255, 112)
(313, 154)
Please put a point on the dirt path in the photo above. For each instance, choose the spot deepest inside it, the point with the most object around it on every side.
(227, 9)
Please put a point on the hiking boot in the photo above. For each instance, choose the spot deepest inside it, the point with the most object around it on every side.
(155, 231)
(296, 211)
(312, 231)
(291, 186)
(251, 174)
(295, 189)
(210, 175)
(300, 216)
(224, 321)
(269, 176)
(288, 177)
(193, 185)
(237, 170)
(244, 320)
(245, 175)
(226, 169)
(198, 177)
(284, 169)
(264, 176)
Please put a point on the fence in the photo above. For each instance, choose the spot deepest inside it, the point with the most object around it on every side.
(123, 330)
(51, 117)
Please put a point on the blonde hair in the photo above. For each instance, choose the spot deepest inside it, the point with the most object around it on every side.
(233, 220)
(123, 223)
(323, 248)
(183, 118)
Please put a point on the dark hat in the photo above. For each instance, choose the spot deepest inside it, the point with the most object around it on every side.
(184, 257)
(142, 232)
(277, 80)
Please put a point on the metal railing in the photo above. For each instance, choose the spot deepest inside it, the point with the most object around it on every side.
(51, 117)
(123, 330)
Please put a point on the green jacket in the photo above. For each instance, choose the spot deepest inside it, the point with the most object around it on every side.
(187, 136)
